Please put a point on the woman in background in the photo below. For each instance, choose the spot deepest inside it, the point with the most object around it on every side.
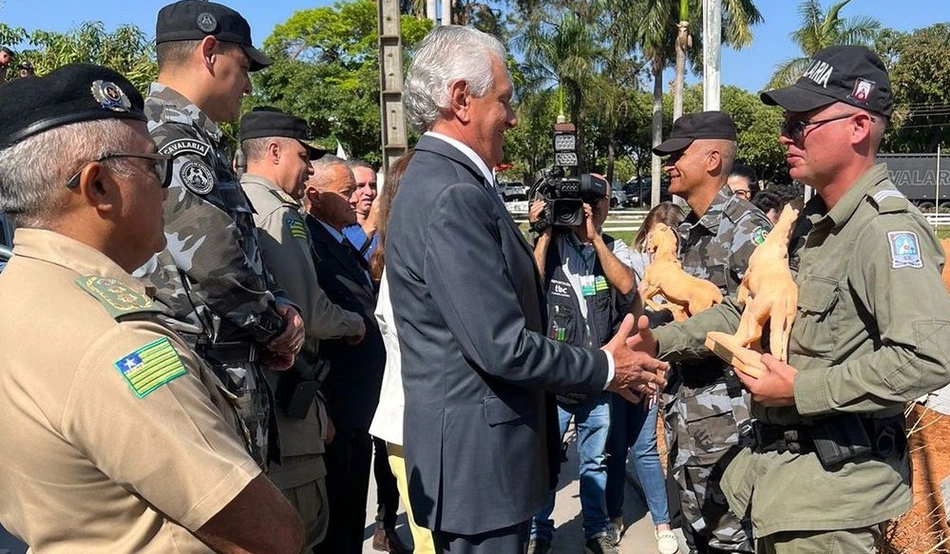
(387, 422)
(634, 425)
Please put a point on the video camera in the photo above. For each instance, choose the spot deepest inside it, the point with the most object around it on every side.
(563, 188)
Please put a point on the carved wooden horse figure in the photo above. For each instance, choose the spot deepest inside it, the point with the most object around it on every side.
(769, 294)
(686, 295)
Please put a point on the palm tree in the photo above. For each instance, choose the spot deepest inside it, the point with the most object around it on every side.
(819, 30)
(654, 27)
(567, 54)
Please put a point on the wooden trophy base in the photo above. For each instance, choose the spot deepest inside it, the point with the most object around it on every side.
(728, 349)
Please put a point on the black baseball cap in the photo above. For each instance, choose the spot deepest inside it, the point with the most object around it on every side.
(690, 127)
(70, 94)
(270, 122)
(850, 74)
(196, 19)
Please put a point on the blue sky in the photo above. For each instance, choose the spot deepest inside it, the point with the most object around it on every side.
(749, 68)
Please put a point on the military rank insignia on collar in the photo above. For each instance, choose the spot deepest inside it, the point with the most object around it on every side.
(905, 249)
(150, 367)
(110, 96)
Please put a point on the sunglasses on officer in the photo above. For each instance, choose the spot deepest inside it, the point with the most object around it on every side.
(161, 166)
(796, 129)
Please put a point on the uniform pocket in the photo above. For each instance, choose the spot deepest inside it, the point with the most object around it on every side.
(813, 333)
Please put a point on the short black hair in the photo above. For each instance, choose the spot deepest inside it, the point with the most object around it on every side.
(7, 50)
(748, 173)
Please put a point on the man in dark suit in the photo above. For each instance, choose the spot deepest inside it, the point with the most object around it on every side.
(352, 385)
(481, 440)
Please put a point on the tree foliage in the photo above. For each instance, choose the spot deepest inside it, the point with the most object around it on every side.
(821, 29)
(127, 50)
(326, 70)
(919, 65)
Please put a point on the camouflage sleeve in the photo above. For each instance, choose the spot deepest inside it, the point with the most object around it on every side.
(286, 249)
(911, 311)
(212, 238)
(749, 232)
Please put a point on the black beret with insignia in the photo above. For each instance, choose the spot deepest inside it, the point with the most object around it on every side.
(195, 19)
(70, 94)
(270, 122)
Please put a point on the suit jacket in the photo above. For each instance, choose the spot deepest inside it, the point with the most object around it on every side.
(480, 430)
(352, 386)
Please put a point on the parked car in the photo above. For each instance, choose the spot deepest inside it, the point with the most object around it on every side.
(618, 198)
(639, 190)
(513, 191)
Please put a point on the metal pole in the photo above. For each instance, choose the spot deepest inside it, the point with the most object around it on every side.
(431, 11)
(712, 49)
(446, 12)
(937, 193)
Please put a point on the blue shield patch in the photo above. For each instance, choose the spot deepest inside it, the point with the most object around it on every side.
(905, 249)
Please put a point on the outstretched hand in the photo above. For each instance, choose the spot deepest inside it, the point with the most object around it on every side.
(634, 371)
(643, 340)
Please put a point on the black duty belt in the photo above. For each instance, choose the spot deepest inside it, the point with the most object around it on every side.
(835, 439)
(228, 352)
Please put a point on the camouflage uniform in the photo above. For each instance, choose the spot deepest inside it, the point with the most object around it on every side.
(211, 275)
(706, 409)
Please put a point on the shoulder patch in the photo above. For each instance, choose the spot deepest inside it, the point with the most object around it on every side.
(117, 298)
(150, 367)
(185, 146)
(905, 249)
(284, 197)
(296, 227)
(197, 177)
(759, 234)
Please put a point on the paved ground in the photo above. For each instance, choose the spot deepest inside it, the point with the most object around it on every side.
(568, 537)
(569, 532)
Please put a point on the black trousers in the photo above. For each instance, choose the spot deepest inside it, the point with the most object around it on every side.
(387, 492)
(510, 540)
(348, 460)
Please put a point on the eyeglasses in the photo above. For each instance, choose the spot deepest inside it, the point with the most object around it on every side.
(161, 166)
(795, 128)
(744, 193)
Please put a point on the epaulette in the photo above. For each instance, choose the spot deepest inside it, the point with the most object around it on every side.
(888, 199)
(284, 198)
(734, 209)
(118, 299)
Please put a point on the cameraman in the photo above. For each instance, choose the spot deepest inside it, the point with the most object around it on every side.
(588, 280)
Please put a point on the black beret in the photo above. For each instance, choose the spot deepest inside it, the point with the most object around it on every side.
(269, 122)
(195, 19)
(850, 74)
(70, 94)
(690, 127)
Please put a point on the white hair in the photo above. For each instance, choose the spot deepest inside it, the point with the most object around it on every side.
(448, 53)
(33, 172)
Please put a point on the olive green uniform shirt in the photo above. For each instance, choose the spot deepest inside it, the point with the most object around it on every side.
(285, 248)
(872, 332)
(115, 437)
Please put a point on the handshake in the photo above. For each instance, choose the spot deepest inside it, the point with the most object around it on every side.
(636, 372)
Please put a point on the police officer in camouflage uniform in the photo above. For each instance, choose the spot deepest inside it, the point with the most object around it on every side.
(829, 462)
(706, 410)
(278, 165)
(211, 274)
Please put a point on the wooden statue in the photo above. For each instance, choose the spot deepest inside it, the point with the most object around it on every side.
(685, 295)
(768, 294)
